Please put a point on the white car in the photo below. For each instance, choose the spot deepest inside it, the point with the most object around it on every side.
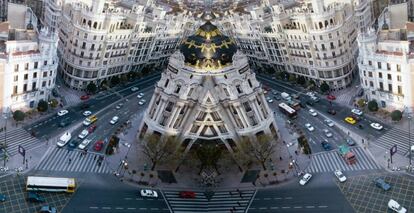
(87, 113)
(357, 112)
(62, 112)
(310, 94)
(327, 133)
(305, 179)
(341, 177)
(133, 89)
(309, 127)
(148, 193)
(329, 123)
(141, 102)
(140, 95)
(313, 112)
(84, 143)
(114, 120)
(119, 106)
(83, 134)
(270, 100)
(394, 205)
(376, 126)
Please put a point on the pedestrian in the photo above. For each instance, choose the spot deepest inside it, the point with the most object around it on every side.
(231, 210)
(70, 160)
(234, 208)
(280, 158)
(238, 203)
(26, 161)
(284, 142)
(231, 194)
(296, 152)
(94, 157)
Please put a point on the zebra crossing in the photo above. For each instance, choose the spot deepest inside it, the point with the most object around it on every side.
(58, 160)
(331, 161)
(220, 201)
(18, 137)
(397, 137)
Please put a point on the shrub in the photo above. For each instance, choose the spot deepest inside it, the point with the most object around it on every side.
(373, 106)
(396, 115)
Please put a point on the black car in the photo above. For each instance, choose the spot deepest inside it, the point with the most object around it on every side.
(64, 122)
(309, 102)
(34, 197)
(84, 106)
(73, 143)
(331, 111)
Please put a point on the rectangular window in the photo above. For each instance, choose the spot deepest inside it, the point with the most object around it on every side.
(26, 66)
(380, 75)
(370, 63)
(45, 63)
(35, 75)
(24, 87)
(195, 128)
(169, 106)
(371, 84)
(247, 106)
(379, 65)
(390, 87)
(398, 68)
(388, 66)
(51, 73)
(45, 74)
(399, 90)
(34, 86)
(15, 90)
(399, 78)
(43, 83)
(26, 76)
(16, 67)
(177, 89)
(239, 90)
(370, 74)
(36, 64)
(389, 77)
(381, 86)
(16, 78)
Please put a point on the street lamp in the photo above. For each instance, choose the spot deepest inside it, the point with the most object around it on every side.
(5, 116)
(409, 138)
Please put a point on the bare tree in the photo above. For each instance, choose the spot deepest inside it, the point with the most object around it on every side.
(161, 150)
(259, 150)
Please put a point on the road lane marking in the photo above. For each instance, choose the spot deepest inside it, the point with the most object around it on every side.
(131, 208)
(277, 198)
(93, 207)
(267, 198)
(142, 208)
(262, 208)
(119, 208)
(322, 206)
(286, 207)
(274, 207)
(155, 209)
(106, 207)
(297, 207)
(288, 198)
(128, 198)
(310, 207)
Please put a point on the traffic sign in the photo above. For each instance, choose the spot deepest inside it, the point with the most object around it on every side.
(21, 150)
(393, 150)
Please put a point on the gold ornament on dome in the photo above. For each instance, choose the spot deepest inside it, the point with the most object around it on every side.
(208, 49)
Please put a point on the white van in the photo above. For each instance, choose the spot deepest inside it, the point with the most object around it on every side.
(64, 139)
(394, 205)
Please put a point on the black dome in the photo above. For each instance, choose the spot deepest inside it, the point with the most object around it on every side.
(208, 48)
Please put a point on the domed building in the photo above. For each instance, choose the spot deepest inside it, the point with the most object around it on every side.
(208, 94)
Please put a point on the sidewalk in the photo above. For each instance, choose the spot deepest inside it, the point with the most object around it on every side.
(130, 151)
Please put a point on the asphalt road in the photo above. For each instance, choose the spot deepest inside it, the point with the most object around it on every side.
(321, 194)
(323, 105)
(48, 127)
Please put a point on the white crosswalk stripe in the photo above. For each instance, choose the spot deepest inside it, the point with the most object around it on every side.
(330, 161)
(397, 137)
(221, 201)
(18, 137)
(58, 160)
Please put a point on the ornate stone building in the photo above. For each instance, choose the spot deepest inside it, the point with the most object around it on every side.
(208, 93)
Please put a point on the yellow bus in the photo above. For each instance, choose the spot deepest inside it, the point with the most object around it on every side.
(50, 184)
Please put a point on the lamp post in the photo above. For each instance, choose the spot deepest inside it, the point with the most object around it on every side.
(5, 115)
(409, 138)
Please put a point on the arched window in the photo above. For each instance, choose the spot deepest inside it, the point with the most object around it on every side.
(84, 21)
(320, 25)
(89, 23)
(331, 21)
(95, 25)
(326, 23)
